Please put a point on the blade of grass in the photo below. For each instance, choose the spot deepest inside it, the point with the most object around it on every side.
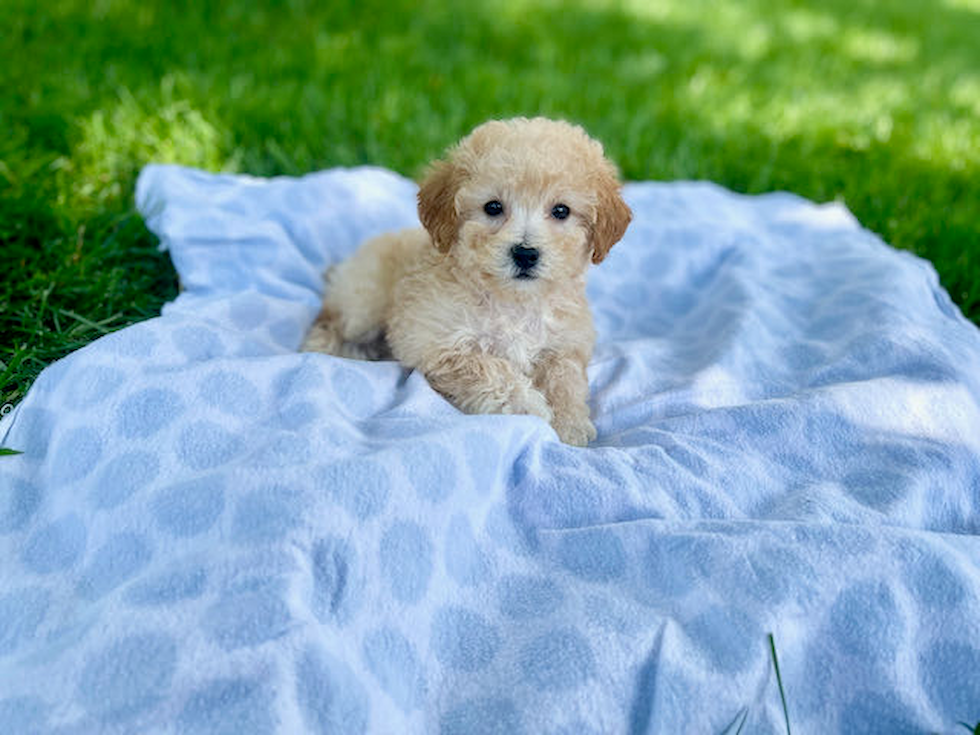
(740, 717)
(779, 680)
(745, 716)
(99, 326)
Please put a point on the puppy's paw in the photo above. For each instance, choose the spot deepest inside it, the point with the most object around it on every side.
(577, 431)
(529, 401)
(324, 336)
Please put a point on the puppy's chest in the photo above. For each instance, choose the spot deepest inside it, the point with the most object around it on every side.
(511, 331)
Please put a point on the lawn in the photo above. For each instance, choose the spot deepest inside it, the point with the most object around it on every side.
(871, 103)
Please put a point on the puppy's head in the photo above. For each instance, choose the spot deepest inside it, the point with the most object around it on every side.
(524, 202)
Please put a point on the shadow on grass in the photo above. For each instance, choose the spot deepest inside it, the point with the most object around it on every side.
(875, 104)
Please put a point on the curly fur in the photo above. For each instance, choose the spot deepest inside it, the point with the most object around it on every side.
(447, 299)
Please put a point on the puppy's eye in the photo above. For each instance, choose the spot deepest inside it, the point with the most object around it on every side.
(493, 208)
(560, 211)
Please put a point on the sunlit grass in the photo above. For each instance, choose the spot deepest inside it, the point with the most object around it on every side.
(113, 143)
(874, 104)
(973, 5)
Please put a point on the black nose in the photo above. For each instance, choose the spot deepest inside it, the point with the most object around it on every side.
(524, 258)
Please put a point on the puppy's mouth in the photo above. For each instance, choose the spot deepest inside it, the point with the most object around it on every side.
(525, 276)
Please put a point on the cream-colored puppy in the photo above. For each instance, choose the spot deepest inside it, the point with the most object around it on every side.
(488, 301)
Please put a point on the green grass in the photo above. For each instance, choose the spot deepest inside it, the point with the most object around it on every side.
(876, 104)
(779, 681)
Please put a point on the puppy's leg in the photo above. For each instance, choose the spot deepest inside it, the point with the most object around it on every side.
(563, 380)
(332, 335)
(325, 335)
(351, 322)
(476, 382)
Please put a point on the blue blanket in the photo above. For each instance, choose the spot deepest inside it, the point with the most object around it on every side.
(208, 532)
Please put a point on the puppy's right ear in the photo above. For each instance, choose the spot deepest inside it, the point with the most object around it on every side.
(437, 204)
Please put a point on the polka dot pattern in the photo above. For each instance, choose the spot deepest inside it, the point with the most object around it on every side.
(122, 476)
(595, 555)
(118, 559)
(729, 639)
(431, 470)
(867, 621)
(208, 532)
(942, 669)
(228, 707)
(524, 596)
(359, 486)
(229, 392)
(191, 507)
(143, 414)
(266, 515)
(482, 717)
(169, 587)
(247, 618)
(205, 444)
(557, 660)
(128, 676)
(406, 561)
(19, 501)
(76, 453)
(874, 712)
(462, 639)
(56, 546)
(197, 344)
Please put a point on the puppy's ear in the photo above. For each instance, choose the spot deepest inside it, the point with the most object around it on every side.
(437, 203)
(612, 216)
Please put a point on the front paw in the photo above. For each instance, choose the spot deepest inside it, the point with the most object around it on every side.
(577, 431)
(529, 401)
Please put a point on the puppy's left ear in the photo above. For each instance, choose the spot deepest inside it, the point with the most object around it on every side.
(612, 216)
(437, 203)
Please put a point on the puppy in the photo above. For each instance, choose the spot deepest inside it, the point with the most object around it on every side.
(488, 301)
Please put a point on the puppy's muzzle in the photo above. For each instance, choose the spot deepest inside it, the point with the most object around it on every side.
(525, 259)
